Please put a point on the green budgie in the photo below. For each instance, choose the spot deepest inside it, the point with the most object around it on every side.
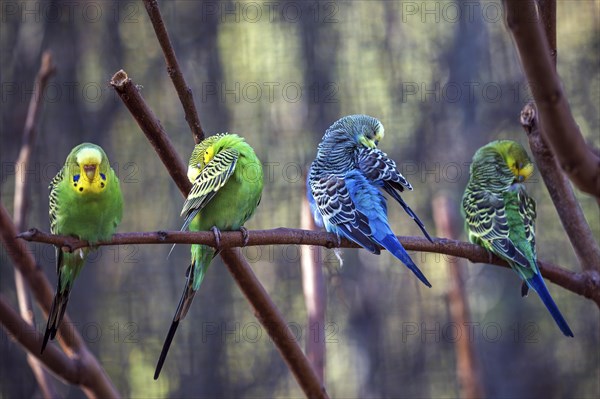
(500, 216)
(85, 202)
(227, 180)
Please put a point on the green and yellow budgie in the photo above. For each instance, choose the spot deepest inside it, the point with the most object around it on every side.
(85, 202)
(500, 215)
(227, 180)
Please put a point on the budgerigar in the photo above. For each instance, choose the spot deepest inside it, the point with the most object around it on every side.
(500, 216)
(85, 202)
(227, 180)
(344, 182)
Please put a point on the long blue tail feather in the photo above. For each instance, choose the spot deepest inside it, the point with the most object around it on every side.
(537, 283)
(391, 243)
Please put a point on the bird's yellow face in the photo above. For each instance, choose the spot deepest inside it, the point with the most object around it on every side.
(89, 179)
(371, 139)
(204, 158)
(521, 170)
(209, 154)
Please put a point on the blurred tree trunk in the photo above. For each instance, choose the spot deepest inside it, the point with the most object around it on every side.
(448, 224)
(452, 130)
(317, 43)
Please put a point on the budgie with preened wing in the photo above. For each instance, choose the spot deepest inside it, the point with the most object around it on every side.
(227, 180)
(85, 202)
(344, 183)
(500, 215)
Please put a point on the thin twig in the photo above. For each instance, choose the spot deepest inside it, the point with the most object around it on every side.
(562, 195)
(20, 206)
(46, 70)
(152, 128)
(585, 283)
(183, 90)
(90, 376)
(270, 317)
(559, 128)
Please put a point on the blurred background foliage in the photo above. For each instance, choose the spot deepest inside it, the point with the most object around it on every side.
(444, 79)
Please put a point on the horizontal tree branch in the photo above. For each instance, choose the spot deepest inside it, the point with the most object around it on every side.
(559, 128)
(585, 283)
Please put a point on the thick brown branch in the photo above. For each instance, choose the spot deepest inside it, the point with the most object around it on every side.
(586, 283)
(183, 91)
(559, 128)
(46, 70)
(548, 14)
(30, 339)
(90, 376)
(152, 128)
(266, 312)
(561, 192)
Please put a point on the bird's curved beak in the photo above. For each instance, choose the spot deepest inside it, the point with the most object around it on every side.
(90, 171)
(526, 171)
(366, 142)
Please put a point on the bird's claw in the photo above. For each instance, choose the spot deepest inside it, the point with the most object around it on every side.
(217, 234)
(245, 236)
(338, 241)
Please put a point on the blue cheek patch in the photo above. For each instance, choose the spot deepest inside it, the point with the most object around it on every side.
(76, 178)
(103, 176)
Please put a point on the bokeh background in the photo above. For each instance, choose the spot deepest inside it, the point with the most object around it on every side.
(444, 79)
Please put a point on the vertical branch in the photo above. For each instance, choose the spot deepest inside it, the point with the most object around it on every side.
(562, 195)
(268, 314)
(548, 13)
(560, 190)
(448, 224)
(558, 127)
(314, 296)
(47, 69)
(183, 91)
